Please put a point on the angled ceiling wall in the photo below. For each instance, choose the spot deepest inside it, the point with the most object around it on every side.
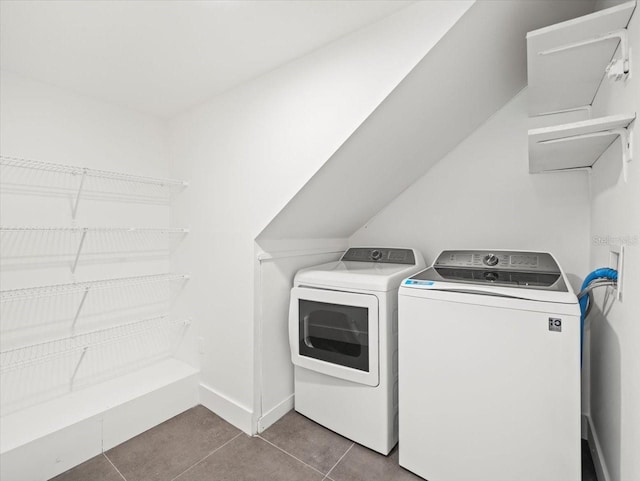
(163, 57)
(474, 70)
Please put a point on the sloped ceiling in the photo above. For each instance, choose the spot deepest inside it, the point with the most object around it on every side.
(164, 56)
(473, 71)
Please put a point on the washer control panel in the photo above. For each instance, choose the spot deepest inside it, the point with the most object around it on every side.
(380, 254)
(507, 260)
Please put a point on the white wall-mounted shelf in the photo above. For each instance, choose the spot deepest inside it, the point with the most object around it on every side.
(84, 180)
(566, 62)
(77, 346)
(141, 235)
(81, 292)
(73, 287)
(32, 439)
(77, 355)
(578, 145)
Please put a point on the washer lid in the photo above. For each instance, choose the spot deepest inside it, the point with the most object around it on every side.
(524, 275)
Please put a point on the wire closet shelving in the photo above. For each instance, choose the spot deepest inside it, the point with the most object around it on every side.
(85, 179)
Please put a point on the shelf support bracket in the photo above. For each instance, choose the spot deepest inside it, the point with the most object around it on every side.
(625, 139)
(75, 262)
(77, 201)
(618, 68)
(75, 318)
(75, 371)
(622, 133)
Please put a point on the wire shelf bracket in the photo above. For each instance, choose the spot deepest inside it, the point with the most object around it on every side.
(26, 356)
(30, 293)
(75, 370)
(86, 230)
(75, 261)
(77, 315)
(74, 210)
(86, 288)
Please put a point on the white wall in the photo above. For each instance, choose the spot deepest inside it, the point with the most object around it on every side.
(273, 357)
(247, 152)
(462, 80)
(43, 122)
(46, 123)
(481, 196)
(613, 328)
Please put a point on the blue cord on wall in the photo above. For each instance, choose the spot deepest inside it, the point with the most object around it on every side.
(583, 299)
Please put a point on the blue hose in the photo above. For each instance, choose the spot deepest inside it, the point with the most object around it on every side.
(602, 273)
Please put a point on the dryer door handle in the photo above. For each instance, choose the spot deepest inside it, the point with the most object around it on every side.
(305, 331)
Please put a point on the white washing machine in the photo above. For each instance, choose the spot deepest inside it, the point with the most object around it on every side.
(489, 346)
(343, 337)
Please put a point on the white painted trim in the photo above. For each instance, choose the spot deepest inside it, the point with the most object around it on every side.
(258, 345)
(275, 413)
(265, 256)
(228, 409)
(284, 248)
(126, 421)
(596, 452)
(45, 440)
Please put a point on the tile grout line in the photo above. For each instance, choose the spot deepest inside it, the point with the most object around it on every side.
(289, 454)
(212, 452)
(338, 461)
(114, 466)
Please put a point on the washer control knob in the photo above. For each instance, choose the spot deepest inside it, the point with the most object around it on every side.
(376, 255)
(490, 259)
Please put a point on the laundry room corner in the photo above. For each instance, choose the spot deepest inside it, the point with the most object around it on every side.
(482, 194)
(330, 240)
(118, 282)
(247, 152)
(275, 266)
(612, 386)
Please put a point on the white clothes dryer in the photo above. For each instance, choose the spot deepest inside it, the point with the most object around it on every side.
(489, 347)
(343, 338)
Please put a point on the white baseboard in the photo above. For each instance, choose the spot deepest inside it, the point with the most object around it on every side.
(127, 420)
(596, 453)
(45, 440)
(275, 413)
(228, 409)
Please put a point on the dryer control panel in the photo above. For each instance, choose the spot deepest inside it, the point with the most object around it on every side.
(380, 254)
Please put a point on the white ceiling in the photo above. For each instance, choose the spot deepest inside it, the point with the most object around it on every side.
(161, 57)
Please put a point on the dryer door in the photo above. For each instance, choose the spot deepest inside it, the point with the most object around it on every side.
(335, 333)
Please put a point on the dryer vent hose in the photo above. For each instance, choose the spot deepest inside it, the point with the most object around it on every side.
(598, 278)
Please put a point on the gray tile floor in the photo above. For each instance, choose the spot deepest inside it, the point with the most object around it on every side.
(197, 445)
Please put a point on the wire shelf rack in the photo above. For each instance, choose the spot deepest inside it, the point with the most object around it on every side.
(85, 287)
(133, 230)
(83, 180)
(28, 244)
(7, 161)
(79, 345)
